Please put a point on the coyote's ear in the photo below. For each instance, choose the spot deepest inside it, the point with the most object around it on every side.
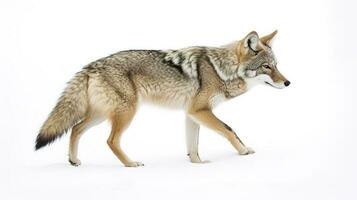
(251, 42)
(266, 40)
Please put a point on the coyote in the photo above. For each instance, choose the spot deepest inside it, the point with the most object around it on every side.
(195, 79)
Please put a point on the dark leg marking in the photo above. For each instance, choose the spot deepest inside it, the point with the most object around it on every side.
(227, 127)
(238, 139)
(231, 130)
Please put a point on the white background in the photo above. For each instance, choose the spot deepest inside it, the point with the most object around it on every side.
(304, 135)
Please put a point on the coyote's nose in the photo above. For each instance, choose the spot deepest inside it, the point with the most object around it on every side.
(287, 83)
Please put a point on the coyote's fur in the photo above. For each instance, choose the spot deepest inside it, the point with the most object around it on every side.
(194, 79)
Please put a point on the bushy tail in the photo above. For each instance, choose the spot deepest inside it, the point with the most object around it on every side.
(70, 109)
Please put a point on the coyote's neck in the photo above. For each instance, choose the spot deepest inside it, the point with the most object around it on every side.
(225, 61)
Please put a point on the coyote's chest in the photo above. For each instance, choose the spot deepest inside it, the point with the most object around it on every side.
(235, 87)
(229, 90)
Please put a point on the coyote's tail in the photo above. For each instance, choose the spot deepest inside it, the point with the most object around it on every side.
(70, 109)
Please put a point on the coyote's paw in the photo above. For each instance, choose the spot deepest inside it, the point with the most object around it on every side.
(134, 164)
(247, 151)
(200, 161)
(74, 162)
(194, 158)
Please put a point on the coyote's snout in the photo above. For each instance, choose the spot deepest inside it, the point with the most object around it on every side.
(194, 79)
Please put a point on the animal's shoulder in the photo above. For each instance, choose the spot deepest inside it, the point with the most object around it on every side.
(187, 59)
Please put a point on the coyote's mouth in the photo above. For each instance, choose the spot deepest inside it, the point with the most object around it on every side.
(274, 86)
(269, 84)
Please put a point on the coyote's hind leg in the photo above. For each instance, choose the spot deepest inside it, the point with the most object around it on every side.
(77, 132)
(120, 121)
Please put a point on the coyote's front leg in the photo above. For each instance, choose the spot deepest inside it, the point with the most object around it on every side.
(192, 137)
(207, 118)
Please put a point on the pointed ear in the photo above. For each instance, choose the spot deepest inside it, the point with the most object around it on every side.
(266, 40)
(251, 41)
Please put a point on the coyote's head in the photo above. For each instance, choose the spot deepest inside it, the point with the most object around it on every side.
(258, 63)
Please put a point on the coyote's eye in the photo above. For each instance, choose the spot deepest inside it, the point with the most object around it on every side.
(265, 66)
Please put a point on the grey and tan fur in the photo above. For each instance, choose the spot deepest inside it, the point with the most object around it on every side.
(195, 79)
